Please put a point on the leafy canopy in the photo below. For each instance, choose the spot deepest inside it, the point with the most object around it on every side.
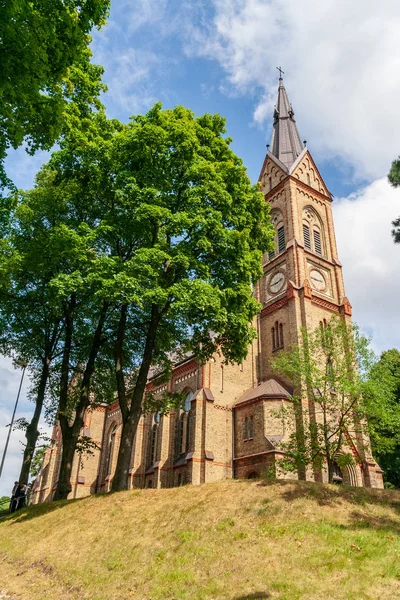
(46, 73)
(329, 367)
(394, 179)
(382, 402)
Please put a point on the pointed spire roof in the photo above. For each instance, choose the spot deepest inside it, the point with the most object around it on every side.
(285, 142)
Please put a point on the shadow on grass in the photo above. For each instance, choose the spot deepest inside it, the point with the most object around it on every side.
(362, 521)
(328, 495)
(37, 510)
(253, 596)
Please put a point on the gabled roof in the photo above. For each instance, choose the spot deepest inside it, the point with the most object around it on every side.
(267, 389)
(286, 144)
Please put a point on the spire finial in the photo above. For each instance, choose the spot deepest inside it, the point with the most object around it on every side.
(280, 72)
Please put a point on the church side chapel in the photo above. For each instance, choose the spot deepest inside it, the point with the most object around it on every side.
(228, 425)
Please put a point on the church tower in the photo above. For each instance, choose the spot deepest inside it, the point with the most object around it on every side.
(303, 282)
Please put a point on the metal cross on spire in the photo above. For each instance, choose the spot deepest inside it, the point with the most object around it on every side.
(280, 72)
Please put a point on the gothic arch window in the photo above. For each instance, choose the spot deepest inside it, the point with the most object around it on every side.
(313, 234)
(111, 442)
(277, 336)
(280, 235)
(182, 428)
(153, 440)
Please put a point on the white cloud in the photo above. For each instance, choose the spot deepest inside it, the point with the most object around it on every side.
(129, 74)
(342, 61)
(371, 259)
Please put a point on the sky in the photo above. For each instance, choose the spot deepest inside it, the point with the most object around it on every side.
(341, 63)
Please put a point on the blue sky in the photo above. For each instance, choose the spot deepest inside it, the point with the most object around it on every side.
(342, 66)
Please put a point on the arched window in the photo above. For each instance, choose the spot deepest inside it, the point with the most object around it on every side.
(337, 473)
(152, 440)
(313, 231)
(277, 336)
(182, 431)
(111, 449)
(280, 237)
(253, 475)
(153, 445)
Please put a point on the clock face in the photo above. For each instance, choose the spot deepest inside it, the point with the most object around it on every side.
(317, 280)
(276, 282)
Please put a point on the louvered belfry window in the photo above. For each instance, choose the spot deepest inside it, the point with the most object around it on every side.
(307, 238)
(281, 239)
(271, 254)
(317, 242)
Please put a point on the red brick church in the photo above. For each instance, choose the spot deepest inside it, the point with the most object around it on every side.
(228, 426)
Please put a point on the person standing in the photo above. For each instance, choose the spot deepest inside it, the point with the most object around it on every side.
(13, 501)
(21, 495)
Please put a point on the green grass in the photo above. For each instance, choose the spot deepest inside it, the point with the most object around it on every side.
(234, 540)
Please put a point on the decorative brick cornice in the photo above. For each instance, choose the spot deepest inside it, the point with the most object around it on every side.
(272, 307)
(309, 190)
(188, 366)
(269, 196)
(325, 304)
(220, 407)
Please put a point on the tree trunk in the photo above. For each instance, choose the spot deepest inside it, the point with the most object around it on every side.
(70, 433)
(69, 441)
(121, 476)
(32, 432)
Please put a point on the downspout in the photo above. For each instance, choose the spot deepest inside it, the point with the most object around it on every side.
(233, 442)
(96, 487)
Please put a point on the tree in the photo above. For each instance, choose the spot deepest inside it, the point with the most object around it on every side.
(394, 180)
(182, 235)
(328, 368)
(37, 460)
(156, 237)
(64, 272)
(30, 320)
(46, 73)
(198, 230)
(382, 403)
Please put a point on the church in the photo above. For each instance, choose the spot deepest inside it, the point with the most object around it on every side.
(228, 426)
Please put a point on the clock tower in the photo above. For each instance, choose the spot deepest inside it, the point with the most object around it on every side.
(302, 283)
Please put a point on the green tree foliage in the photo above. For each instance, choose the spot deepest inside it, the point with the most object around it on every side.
(178, 234)
(46, 73)
(382, 402)
(30, 317)
(37, 461)
(329, 367)
(152, 236)
(394, 179)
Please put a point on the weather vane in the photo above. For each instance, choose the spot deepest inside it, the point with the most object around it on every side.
(280, 72)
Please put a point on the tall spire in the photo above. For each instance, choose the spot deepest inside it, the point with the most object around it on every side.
(285, 142)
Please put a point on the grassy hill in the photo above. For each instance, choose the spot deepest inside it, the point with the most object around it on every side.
(233, 540)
